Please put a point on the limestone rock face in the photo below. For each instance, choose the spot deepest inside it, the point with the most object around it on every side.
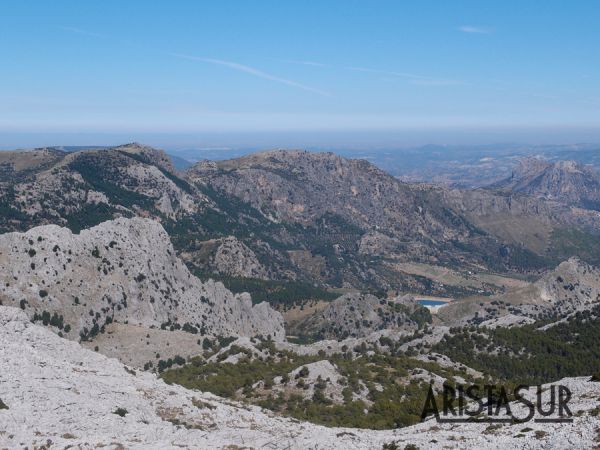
(122, 270)
(226, 256)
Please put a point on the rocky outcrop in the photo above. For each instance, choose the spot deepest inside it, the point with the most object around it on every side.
(234, 258)
(571, 287)
(574, 285)
(226, 256)
(124, 270)
(320, 376)
(359, 315)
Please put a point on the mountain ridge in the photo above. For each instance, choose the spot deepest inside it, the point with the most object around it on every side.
(123, 270)
(298, 216)
(98, 401)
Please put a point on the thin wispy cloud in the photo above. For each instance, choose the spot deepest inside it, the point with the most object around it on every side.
(252, 71)
(230, 64)
(81, 31)
(476, 30)
(304, 63)
(412, 77)
(382, 72)
(436, 82)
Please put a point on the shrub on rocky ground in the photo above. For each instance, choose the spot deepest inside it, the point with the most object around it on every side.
(120, 412)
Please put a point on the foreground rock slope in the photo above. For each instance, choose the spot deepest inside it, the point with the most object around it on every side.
(59, 395)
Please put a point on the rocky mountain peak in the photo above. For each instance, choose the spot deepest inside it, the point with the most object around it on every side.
(563, 181)
(152, 155)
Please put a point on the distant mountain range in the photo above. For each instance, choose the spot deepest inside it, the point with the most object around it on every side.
(313, 218)
(462, 166)
(466, 166)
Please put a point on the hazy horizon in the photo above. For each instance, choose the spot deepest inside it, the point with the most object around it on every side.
(282, 74)
(340, 140)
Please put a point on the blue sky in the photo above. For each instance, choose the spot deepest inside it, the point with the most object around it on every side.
(77, 70)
